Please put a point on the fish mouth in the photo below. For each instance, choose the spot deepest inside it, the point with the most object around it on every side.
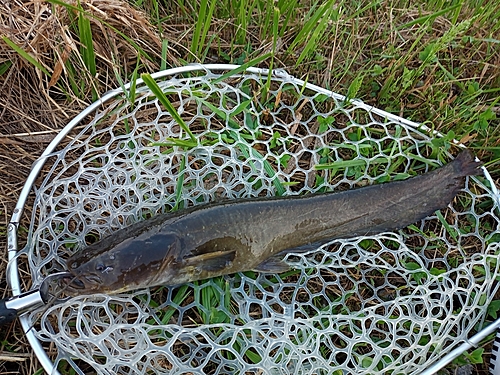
(75, 285)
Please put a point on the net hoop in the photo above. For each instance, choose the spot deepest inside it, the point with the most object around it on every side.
(13, 273)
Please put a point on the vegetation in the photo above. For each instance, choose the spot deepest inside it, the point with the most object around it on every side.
(435, 62)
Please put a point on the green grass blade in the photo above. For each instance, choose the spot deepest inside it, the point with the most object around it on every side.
(267, 86)
(429, 17)
(344, 164)
(287, 7)
(254, 357)
(243, 67)
(208, 47)
(219, 112)
(184, 143)
(125, 91)
(451, 231)
(313, 29)
(242, 22)
(130, 94)
(307, 28)
(199, 26)
(5, 66)
(157, 91)
(179, 297)
(354, 87)
(203, 23)
(164, 49)
(156, 14)
(207, 24)
(73, 78)
(25, 55)
(87, 48)
(318, 31)
(241, 107)
(133, 83)
(180, 182)
(249, 151)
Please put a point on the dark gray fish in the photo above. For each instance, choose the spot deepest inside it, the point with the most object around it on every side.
(254, 234)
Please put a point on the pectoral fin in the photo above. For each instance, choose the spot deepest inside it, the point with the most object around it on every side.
(274, 264)
(211, 262)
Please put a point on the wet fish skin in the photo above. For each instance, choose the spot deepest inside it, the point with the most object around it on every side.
(254, 234)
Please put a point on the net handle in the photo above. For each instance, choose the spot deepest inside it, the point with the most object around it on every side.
(495, 355)
(473, 342)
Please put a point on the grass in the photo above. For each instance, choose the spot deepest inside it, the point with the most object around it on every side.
(434, 62)
(155, 89)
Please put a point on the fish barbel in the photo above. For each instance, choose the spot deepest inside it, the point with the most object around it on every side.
(254, 234)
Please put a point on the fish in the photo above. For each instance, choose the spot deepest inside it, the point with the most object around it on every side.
(255, 234)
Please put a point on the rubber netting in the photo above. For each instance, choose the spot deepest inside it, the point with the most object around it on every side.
(390, 303)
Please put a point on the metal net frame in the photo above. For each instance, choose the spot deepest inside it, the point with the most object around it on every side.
(393, 303)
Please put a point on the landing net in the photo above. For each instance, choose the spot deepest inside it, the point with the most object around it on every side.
(391, 303)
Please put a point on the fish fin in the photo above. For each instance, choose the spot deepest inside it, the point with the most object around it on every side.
(466, 164)
(211, 262)
(276, 264)
(305, 248)
(273, 264)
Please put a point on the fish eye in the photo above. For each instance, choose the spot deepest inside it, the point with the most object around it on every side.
(100, 267)
(74, 265)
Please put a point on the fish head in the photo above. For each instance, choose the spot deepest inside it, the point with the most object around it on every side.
(132, 263)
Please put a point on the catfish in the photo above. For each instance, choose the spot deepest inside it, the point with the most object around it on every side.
(255, 234)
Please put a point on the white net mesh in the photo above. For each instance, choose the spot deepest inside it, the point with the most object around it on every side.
(394, 302)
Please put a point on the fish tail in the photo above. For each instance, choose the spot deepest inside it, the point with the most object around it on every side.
(465, 164)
